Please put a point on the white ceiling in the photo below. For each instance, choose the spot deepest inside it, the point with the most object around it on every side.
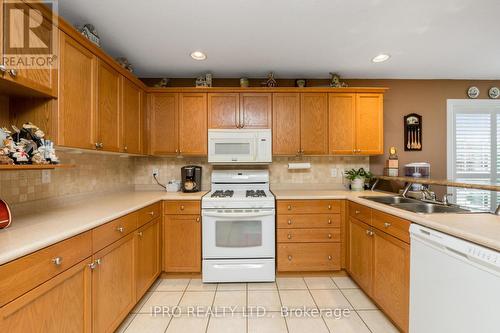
(299, 38)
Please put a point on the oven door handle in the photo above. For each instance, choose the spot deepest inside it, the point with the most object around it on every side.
(231, 215)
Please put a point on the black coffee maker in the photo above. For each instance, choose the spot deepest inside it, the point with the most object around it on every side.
(191, 178)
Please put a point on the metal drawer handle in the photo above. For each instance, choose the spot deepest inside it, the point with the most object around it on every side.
(329, 221)
(98, 261)
(289, 258)
(120, 229)
(357, 212)
(92, 265)
(329, 257)
(182, 207)
(329, 206)
(57, 261)
(151, 213)
(330, 236)
(140, 234)
(368, 232)
(289, 222)
(387, 224)
(289, 236)
(198, 219)
(289, 207)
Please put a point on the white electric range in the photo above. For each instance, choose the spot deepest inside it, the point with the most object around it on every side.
(238, 227)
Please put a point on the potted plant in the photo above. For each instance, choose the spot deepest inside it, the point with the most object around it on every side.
(358, 178)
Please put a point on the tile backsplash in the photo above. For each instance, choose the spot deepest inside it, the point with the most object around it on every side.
(100, 172)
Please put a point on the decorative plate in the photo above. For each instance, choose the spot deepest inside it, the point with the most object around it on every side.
(494, 92)
(473, 92)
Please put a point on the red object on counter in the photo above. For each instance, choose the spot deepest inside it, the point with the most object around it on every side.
(5, 215)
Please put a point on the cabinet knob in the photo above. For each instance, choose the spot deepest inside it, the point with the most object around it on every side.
(330, 236)
(329, 221)
(125, 148)
(289, 236)
(140, 234)
(329, 206)
(57, 261)
(368, 232)
(289, 258)
(98, 261)
(289, 207)
(329, 257)
(92, 265)
(182, 207)
(12, 72)
(357, 212)
(151, 213)
(120, 229)
(198, 219)
(96, 145)
(289, 222)
(387, 224)
(3, 69)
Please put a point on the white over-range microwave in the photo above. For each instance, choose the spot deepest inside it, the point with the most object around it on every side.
(240, 146)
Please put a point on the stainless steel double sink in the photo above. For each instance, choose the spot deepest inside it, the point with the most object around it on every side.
(416, 206)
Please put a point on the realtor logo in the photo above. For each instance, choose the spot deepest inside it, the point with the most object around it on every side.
(30, 34)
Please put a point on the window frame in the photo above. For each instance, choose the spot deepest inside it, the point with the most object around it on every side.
(452, 107)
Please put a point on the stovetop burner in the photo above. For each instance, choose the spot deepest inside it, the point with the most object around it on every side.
(223, 194)
(255, 193)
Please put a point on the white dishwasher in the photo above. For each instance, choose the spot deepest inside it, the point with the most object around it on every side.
(454, 284)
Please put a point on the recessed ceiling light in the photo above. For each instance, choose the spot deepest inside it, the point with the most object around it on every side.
(198, 55)
(381, 57)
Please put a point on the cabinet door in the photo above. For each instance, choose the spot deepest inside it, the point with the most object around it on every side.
(314, 123)
(108, 107)
(60, 305)
(182, 243)
(77, 95)
(286, 124)
(132, 101)
(147, 256)
(113, 284)
(360, 254)
(391, 277)
(369, 124)
(341, 123)
(41, 40)
(223, 110)
(255, 110)
(193, 131)
(163, 123)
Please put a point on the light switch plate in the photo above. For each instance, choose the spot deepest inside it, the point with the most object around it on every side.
(46, 176)
(333, 172)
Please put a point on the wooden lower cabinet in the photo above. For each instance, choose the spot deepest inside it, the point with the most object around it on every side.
(182, 243)
(308, 257)
(147, 256)
(360, 261)
(391, 276)
(113, 285)
(62, 304)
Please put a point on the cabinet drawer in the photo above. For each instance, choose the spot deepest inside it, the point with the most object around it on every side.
(308, 257)
(112, 231)
(392, 225)
(360, 212)
(308, 206)
(149, 213)
(21, 275)
(309, 221)
(308, 235)
(182, 207)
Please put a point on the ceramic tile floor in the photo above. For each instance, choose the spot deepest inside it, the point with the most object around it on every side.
(209, 301)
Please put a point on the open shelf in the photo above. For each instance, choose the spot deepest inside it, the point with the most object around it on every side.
(35, 167)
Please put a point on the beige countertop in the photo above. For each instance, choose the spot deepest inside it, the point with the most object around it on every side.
(483, 229)
(34, 230)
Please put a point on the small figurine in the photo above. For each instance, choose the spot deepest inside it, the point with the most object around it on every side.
(271, 81)
(88, 30)
(20, 156)
(38, 157)
(125, 63)
(50, 152)
(300, 83)
(335, 81)
(6, 160)
(244, 83)
(204, 81)
(163, 83)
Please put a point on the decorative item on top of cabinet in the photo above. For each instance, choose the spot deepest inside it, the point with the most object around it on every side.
(204, 81)
(300, 83)
(89, 31)
(244, 83)
(413, 132)
(162, 83)
(123, 61)
(271, 81)
(335, 81)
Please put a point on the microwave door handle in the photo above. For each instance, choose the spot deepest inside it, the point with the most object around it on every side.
(231, 215)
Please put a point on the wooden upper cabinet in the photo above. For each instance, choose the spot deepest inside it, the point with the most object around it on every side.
(77, 95)
(391, 277)
(360, 261)
(341, 120)
(108, 107)
(193, 131)
(113, 285)
(314, 123)
(163, 120)
(62, 304)
(223, 110)
(255, 110)
(369, 124)
(286, 123)
(132, 116)
(41, 79)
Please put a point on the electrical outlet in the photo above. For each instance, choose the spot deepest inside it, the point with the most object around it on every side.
(46, 176)
(333, 172)
(156, 172)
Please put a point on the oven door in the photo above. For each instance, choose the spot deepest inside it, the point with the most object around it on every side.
(238, 233)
